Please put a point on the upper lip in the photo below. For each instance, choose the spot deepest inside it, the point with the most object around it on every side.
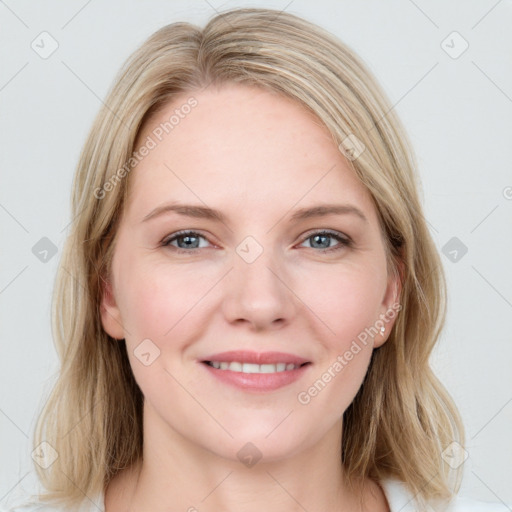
(244, 356)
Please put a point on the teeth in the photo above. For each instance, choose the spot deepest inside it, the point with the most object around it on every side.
(235, 366)
(251, 368)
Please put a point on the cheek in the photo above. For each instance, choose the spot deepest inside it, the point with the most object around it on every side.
(158, 304)
(166, 305)
(159, 298)
(347, 300)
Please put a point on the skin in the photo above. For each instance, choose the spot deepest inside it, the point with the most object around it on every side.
(257, 157)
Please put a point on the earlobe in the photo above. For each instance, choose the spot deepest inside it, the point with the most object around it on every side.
(110, 314)
(391, 306)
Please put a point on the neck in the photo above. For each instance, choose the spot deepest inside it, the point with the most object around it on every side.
(177, 474)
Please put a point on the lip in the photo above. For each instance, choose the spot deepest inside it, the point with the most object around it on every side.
(257, 382)
(246, 356)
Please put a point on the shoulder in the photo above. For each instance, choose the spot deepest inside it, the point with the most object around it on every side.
(400, 499)
(21, 500)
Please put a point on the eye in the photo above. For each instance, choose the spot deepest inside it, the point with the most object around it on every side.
(186, 241)
(189, 241)
(323, 240)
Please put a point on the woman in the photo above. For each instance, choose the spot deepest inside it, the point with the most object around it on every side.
(249, 294)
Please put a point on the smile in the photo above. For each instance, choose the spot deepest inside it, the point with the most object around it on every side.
(236, 366)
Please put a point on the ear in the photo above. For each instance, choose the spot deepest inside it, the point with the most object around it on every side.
(390, 305)
(110, 314)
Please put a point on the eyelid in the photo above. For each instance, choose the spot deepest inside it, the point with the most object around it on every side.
(326, 231)
(344, 241)
(184, 232)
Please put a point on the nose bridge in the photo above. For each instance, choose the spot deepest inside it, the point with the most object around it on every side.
(256, 289)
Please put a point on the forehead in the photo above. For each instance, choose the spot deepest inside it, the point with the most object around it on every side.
(241, 145)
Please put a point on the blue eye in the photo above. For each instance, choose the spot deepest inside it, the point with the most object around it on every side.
(187, 241)
(322, 240)
(190, 241)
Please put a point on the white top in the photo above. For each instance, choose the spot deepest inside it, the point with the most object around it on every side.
(399, 499)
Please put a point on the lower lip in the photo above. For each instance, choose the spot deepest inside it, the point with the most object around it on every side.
(258, 381)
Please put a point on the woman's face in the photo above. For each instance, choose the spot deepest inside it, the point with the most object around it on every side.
(246, 230)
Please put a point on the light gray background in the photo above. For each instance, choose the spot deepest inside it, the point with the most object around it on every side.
(458, 115)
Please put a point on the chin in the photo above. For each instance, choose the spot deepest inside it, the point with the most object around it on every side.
(255, 445)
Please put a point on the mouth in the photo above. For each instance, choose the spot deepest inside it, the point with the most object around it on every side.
(239, 366)
(255, 372)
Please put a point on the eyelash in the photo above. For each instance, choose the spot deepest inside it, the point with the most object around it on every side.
(343, 240)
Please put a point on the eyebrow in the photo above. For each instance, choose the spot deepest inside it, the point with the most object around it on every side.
(203, 212)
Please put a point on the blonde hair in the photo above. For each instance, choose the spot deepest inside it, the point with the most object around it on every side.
(93, 417)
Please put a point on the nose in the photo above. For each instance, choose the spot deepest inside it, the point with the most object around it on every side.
(259, 294)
